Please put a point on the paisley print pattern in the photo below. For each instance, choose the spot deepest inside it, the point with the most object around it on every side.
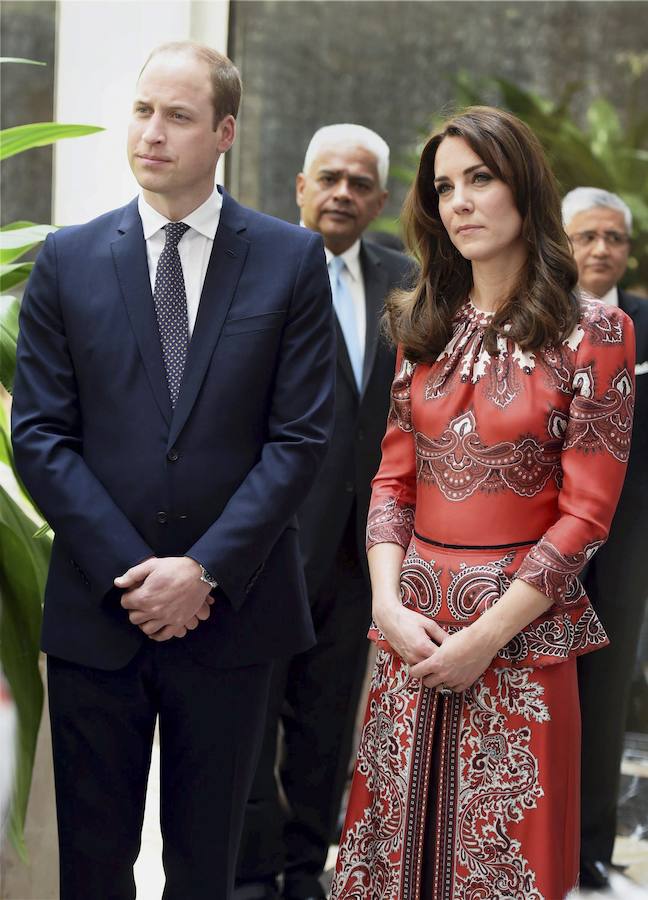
(400, 409)
(601, 322)
(390, 522)
(480, 749)
(455, 589)
(420, 586)
(465, 358)
(476, 588)
(499, 784)
(495, 467)
(556, 574)
(460, 464)
(603, 423)
(375, 842)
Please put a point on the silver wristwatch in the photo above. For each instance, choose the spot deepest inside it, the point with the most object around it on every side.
(207, 578)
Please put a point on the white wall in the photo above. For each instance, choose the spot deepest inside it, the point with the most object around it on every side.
(101, 46)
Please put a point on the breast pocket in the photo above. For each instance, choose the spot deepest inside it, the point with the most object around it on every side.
(251, 324)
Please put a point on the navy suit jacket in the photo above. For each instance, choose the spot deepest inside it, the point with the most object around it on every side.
(120, 476)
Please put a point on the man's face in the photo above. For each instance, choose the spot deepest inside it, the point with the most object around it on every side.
(601, 245)
(340, 195)
(172, 145)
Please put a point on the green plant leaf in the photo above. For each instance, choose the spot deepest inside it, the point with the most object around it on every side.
(386, 224)
(403, 172)
(9, 308)
(40, 134)
(14, 274)
(605, 127)
(17, 59)
(23, 569)
(19, 237)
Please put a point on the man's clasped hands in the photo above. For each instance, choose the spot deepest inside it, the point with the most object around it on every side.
(165, 597)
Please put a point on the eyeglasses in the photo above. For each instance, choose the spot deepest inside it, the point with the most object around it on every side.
(611, 238)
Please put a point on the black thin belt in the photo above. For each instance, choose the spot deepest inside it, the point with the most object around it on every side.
(475, 546)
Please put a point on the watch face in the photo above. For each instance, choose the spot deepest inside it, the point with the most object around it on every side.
(207, 578)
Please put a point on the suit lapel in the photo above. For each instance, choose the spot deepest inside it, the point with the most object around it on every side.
(129, 256)
(627, 302)
(223, 272)
(376, 284)
(344, 359)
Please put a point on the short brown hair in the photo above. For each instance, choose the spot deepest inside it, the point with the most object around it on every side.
(543, 307)
(225, 77)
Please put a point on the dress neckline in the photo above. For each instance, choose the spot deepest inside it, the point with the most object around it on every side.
(474, 314)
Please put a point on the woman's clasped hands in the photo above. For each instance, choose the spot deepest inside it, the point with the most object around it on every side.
(460, 659)
(438, 659)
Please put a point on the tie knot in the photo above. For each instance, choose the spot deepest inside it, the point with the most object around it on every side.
(337, 265)
(174, 231)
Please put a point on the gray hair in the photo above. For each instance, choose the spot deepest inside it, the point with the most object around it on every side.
(582, 199)
(346, 133)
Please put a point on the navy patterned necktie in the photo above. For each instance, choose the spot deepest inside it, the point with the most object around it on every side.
(170, 301)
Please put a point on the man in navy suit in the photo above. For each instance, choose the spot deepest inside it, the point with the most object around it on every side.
(599, 225)
(173, 403)
(315, 693)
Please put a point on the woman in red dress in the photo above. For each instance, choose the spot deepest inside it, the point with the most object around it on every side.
(502, 464)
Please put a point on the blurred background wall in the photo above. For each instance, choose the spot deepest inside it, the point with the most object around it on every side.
(390, 66)
(387, 64)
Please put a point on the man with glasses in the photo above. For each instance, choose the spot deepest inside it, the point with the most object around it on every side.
(599, 224)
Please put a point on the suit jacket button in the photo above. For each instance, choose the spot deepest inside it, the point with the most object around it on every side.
(162, 518)
(173, 455)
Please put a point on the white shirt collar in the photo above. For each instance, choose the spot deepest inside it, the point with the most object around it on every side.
(351, 258)
(612, 296)
(204, 219)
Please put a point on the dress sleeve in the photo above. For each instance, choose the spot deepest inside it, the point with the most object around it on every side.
(393, 498)
(597, 432)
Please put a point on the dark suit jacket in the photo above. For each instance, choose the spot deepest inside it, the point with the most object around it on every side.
(621, 560)
(121, 476)
(354, 454)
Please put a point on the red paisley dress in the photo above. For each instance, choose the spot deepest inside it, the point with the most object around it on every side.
(494, 467)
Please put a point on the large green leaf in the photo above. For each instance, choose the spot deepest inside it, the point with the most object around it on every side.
(19, 237)
(14, 274)
(23, 569)
(39, 134)
(9, 308)
(17, 59)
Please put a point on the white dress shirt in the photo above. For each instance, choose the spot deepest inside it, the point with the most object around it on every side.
(352, 276)
(612, 296)
(195, 247)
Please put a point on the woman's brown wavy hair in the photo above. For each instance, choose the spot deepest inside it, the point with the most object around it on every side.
(542, 308)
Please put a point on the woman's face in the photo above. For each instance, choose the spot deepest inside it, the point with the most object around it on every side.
(477, 208)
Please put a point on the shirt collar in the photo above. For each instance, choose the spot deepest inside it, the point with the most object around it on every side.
(204, 219)
(612, 296)
(351, 258)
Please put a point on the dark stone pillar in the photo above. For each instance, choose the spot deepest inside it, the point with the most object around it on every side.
(28, 31)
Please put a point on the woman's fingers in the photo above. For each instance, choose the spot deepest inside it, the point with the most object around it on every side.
(435, 631)
(424, 668)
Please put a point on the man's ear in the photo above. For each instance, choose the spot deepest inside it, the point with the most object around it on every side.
(300, 182)
(381, 203)
(226, 133)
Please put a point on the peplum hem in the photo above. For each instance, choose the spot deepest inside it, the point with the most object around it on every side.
(455, 587)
